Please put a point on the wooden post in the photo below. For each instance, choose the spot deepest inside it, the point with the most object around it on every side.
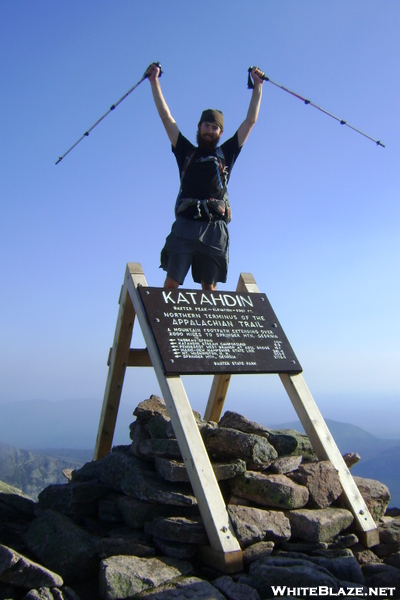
(118, 361)
(220, 384)
(326, 449)
(224, 545)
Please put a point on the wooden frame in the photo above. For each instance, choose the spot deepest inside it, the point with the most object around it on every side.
(224, 550)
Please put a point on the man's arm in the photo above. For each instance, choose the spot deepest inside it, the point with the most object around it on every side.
(168, 121)
(252, 113)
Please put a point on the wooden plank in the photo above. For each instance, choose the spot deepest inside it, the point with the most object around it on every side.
(216, 399)
(139, 357)
(118, 360)
(326, 449)
(220, 384)
(212, 507)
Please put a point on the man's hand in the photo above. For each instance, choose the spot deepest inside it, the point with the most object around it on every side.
(257, 76)
(153, 72)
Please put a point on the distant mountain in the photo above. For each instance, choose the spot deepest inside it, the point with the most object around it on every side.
(31, 472)
(384, 467)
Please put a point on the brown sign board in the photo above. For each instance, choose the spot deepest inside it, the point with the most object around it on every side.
(214, 332)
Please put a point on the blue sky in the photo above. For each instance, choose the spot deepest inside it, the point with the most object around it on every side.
(315, 205)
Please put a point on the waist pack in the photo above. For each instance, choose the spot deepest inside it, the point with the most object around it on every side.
(211, 209)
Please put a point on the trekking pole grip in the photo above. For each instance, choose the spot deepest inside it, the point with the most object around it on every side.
(157, 64)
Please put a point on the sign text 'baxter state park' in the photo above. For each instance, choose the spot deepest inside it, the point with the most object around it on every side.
(213, 332)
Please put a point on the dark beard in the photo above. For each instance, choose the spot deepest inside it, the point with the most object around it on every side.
(207, 146)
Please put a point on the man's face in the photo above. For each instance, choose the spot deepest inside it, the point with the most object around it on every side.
(208, 135)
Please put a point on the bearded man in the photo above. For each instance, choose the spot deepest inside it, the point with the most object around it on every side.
(199, 236)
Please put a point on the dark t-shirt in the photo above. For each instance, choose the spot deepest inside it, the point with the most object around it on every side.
(203, 177)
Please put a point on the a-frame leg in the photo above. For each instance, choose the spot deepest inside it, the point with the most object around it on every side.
(314, 426)
(326, 449)
(117, 363)
(220, 384)
(225, 550)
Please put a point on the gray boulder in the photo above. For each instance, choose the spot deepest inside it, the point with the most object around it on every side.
(229, 444)
(174, 471)
(188, 588)
(275, 573)
(277, 491)
(235, 591)
(45, 593)
(257, 551)
(254, 525)
(19, 571)
(341, 564)
(285, 464)
(376, 496)
(136, 512)
(16, 499)
(178, 529)
(62, 546)
(319, 525)
(322, 481)
(126, 576)
(74, 497)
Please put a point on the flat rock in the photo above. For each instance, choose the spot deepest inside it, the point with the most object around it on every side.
(286, 573)
(257, 552)
(289, 442)
(187, 588)
(341, 564)
(150, 408)
(381, 575)
(19, 571)
(178, 529)
(16, 499)
(277, 491)
(376, 496)
(285, 464)
(175, 471)
(322, 481)
(254, 525)
(233, 420)
(136, 512)
(125, 576)
(148, 485)
(179, 550)
(227, 444)
(235, 591)
(45, 593)
(74, 497)
(157, 447)
(319, 525)
(389, 532)
(62, 546)
(133, 543)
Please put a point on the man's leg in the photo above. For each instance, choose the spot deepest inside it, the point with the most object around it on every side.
(171, 284)
(208, 286)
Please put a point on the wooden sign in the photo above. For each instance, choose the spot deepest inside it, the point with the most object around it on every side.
(212, 332)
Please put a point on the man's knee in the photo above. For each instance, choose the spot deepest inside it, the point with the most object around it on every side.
(171, 284)
(208, 286)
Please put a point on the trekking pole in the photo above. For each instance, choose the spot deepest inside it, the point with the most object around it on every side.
(113, 107)
(250, 85)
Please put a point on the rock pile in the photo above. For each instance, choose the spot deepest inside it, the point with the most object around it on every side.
(128, 525)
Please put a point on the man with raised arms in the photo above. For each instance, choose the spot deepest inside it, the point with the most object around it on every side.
(199, 236)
